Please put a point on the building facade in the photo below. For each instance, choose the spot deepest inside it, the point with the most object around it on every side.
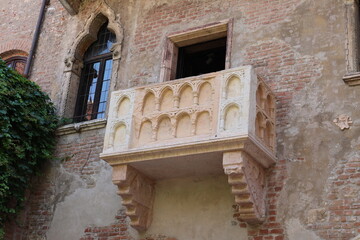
(203, 119)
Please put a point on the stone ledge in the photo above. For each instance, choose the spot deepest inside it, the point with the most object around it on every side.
(81, 127)
(248, 143)
(352, 79)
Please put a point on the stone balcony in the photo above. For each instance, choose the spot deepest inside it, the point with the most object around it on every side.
(203, 125)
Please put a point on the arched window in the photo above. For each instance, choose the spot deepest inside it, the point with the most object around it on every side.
(18, 63)
(95, 78)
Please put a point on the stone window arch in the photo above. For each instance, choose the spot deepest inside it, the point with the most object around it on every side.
(74, 61)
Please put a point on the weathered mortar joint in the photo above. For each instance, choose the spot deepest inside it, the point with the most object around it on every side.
(247, 180)
(137, 192)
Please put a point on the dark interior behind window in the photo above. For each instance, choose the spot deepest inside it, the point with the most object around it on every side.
(201, 58)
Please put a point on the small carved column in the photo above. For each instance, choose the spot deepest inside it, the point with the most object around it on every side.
(247, 179)
(137, 192)
(72, 72)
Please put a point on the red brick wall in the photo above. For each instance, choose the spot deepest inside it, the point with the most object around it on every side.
(285, 70)
(116, 231)
(155, 23)
(17, 22)
(343, 203)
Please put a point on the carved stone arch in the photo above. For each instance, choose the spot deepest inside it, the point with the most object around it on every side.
(184, 125)
(121, 98)
(74, 59)
(88, 35)
(231, 115)
(123, 106)
(149, 102)
(165, 127)
(116, 126)
(166, 98)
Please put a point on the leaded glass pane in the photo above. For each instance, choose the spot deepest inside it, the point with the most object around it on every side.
(105, 40)
(95, 78)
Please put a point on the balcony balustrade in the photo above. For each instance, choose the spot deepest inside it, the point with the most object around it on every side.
(202, 125)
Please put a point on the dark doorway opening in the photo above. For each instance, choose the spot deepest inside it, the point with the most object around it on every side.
(201, 58)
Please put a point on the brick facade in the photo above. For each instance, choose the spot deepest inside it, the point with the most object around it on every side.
(297, 47)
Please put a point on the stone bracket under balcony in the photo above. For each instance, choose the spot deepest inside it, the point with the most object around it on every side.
(247, 180)
(197, 126)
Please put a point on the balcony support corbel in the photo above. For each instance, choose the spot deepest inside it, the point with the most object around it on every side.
(137, 192)
(247, 180)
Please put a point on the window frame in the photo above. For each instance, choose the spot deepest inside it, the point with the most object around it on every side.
(193, 36)
(15, 59)
(84, 89)
(188, 57)
(80, 113)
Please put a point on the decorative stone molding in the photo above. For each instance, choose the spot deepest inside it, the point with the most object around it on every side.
(120, 119)
(89, 33)
(265, 115)
(137, 192)
(352, 79)
(343, 121)
(247, 180)
(73, 63)
(184, 127)
(81, 127)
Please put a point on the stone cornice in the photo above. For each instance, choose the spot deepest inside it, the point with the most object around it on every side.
(247, 143)
(352, 79)
(81, 127)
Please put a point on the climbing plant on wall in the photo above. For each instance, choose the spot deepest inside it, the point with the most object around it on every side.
(27, 137)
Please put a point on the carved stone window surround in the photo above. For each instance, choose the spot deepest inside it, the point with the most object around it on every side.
(74, 60)
(193, 36)
(352, 77)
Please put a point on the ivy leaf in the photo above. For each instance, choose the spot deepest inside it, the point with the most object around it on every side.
(27, 137)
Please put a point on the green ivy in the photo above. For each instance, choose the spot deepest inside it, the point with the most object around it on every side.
(27, 138)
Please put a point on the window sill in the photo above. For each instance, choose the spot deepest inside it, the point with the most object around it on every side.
(81, 127)
(352, 79)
